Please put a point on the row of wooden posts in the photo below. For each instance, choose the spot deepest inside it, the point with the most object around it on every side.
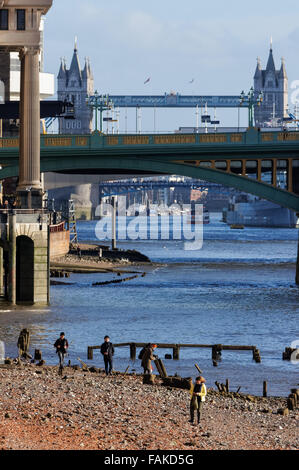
(216, 350)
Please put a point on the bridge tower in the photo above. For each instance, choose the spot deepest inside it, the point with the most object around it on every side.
(75, 84)
(274, 85)
(24, 231)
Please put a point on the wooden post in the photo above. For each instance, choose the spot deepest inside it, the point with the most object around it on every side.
(256, 355)
(37, 355)
(90, 353)
(293, 396)
(291, 404)
(227, 385)
(218, 386)
(265, 389)
(216, 352)
(163, 369)
(197, 367)
(23, 343)
(133, 351)
(176, 352)
(157, 364)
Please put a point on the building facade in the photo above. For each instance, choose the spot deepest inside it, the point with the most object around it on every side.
(274, 86)
(75, 85)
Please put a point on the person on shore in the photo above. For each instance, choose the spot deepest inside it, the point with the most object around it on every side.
(61, 345)
(198, 394)
(107, 350)
(147, 358)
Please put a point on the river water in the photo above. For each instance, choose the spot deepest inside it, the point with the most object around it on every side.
(238, 289)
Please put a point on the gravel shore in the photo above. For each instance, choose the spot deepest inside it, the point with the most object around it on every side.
(40, 410)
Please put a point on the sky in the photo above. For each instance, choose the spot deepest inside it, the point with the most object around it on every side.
(215, 43)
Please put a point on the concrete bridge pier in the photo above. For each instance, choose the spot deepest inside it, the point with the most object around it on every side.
(24, 232)
(30, 188)
(24, 245)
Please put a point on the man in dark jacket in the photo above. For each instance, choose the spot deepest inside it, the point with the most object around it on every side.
(107, 350)
(61, 345)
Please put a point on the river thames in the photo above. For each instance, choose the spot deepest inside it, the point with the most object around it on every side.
(239, 289)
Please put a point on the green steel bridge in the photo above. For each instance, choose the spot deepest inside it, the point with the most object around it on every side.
(262, 163)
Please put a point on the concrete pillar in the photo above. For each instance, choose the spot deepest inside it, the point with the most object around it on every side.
(12, 284)
(29, 187)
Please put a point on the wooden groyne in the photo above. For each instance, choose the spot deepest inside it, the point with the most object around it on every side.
(176, 348)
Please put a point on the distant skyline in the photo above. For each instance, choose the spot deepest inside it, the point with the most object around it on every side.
(191, 48)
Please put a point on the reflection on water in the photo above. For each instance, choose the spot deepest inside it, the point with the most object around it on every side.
(239, 289)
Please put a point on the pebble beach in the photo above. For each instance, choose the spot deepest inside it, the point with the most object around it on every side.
(83, 410)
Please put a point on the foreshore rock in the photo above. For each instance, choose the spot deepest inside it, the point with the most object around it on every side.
(87, 410)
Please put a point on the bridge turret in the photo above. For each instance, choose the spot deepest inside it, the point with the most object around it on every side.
(274, 86)
(74, 84)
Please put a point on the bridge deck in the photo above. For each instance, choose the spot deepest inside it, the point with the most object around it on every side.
(262, 163)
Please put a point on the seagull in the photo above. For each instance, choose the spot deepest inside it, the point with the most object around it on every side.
(192, 81)
(146, 81)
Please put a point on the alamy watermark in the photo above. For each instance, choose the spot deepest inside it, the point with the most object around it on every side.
(152, 222)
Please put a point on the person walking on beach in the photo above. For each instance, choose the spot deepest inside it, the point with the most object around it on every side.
(107, 350)
(61, 345)
(198, 394)
(147, 358)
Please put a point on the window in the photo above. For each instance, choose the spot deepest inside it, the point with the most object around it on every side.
(3, 19)
(21, 20)
(79, 124)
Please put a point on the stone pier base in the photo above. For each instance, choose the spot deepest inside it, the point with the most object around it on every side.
(25, 239)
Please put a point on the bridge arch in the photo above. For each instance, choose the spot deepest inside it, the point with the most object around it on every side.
(25, 269)
(92, 163)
